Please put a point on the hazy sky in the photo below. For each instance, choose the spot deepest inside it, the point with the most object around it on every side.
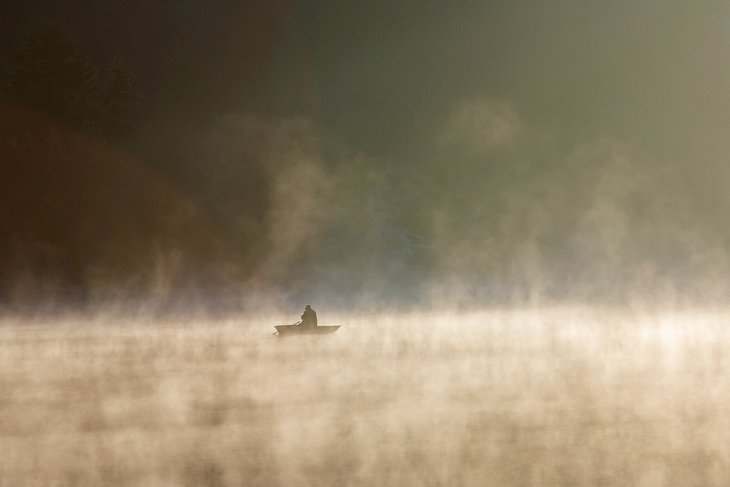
(549, 135)
(382, 74)
(653, 73)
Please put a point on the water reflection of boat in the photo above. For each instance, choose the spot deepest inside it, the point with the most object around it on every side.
(288, 330)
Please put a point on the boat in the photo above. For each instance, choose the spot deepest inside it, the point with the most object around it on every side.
(289, 330)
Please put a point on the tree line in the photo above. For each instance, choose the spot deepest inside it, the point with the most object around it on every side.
(46, 69)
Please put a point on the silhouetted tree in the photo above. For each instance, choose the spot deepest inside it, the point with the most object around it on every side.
(119, 100)
(47, 71)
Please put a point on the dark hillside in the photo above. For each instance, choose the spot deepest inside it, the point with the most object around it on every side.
(80, 219)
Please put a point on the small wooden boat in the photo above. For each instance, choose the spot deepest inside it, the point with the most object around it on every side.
(289, 330)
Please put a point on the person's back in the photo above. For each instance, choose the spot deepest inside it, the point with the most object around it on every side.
(309, 317)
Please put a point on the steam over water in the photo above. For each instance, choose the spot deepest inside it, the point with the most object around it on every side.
(527, 397)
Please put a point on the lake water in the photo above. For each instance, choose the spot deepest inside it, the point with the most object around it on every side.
(539, 397)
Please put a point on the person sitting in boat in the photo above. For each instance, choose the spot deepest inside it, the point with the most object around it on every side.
(309, 317)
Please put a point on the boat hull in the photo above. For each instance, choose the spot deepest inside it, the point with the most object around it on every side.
(290, 330)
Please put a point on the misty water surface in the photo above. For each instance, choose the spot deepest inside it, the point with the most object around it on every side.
(532, 397)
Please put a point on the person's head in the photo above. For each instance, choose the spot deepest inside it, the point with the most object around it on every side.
(307, 307)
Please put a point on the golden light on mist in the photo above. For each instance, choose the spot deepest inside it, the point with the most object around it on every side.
(533, 397)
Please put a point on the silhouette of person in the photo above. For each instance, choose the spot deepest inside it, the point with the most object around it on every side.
(309, 317)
